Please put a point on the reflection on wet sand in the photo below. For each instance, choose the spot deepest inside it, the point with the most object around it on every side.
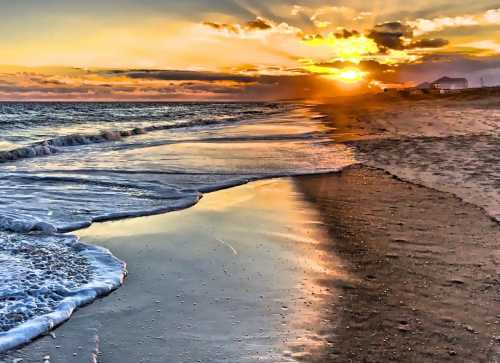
(236, 278)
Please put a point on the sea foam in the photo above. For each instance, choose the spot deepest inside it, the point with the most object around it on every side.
(43, 279)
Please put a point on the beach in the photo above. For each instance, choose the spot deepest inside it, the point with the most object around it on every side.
(393, 259)
(356, 266)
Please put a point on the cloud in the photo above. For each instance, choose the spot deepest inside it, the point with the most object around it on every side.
(428, 43)
(297, 9)
(345, 33)
(492, 16)
(326, 16)
(488, 45)
(259, 27)
(320, 16)
(371, 66)
(180, 75)
(423, 26)
(391, 34)
(258, 24)
(221, 26)
(363, 15)
(399, 36)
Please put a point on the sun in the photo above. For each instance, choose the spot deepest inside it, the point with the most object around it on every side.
(346, 75)
(350, 75)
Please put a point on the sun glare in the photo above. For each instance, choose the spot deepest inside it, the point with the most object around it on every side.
(351, 76)
(346, 75)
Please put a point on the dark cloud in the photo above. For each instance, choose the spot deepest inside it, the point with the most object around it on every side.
(313, 37)
(346, 34)
(395, 35)
(391, 34)
(428, 43)
(46, 81)
(180, 75)
(375, 69)
(258, 24)
(221, 26)
(342, 34)
(253, 25)
(15, 89)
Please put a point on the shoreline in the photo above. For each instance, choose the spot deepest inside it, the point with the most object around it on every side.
(181, 203)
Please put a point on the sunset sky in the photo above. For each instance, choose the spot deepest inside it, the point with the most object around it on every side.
(240, 49)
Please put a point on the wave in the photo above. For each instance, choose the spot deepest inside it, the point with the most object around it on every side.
(56, 145)
(45, 278)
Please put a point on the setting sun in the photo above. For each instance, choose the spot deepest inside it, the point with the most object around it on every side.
(345, 75)
(351, 76)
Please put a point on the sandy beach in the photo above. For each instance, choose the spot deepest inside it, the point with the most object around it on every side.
(446, 142)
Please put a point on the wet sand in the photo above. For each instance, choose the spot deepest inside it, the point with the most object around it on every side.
(349, 267)
(233, 279)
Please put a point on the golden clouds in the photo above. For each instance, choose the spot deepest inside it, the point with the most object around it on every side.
(260, 28)
(352, 49)
(331, 16)
(215, 53)
(97, 84)
(485, 47)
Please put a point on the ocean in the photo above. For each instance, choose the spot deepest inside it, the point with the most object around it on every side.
(64, 166)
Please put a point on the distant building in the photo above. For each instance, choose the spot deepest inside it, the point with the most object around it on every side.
(447, 83)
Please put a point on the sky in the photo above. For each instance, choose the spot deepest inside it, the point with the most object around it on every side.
(240, 49)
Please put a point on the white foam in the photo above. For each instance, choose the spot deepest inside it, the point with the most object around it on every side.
(29, 283)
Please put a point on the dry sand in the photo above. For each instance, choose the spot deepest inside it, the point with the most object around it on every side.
(427, 267)
(450, 143)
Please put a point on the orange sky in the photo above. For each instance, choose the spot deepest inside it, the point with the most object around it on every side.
(236, 49)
